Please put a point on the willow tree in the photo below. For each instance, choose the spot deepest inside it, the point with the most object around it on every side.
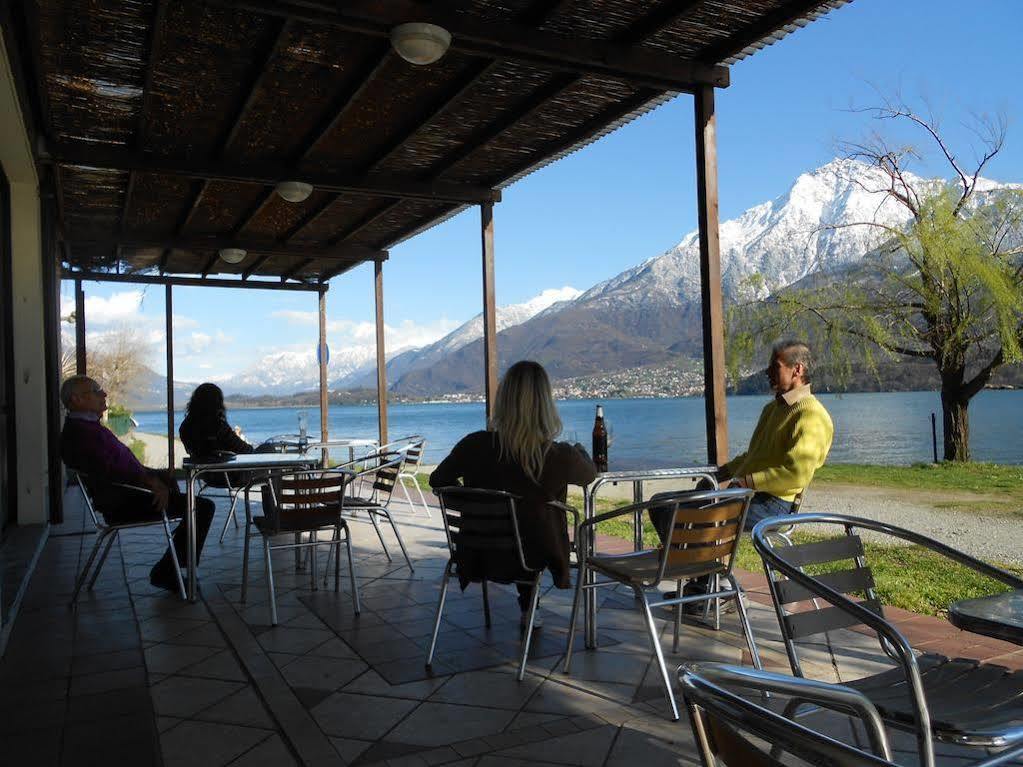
(946, 287)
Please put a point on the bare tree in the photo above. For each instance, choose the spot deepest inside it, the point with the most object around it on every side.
(948, 287)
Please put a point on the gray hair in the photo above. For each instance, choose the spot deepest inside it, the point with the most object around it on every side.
(525, 417)
(793, 352)
(69, 388)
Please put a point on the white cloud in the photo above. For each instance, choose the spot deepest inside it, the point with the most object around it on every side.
(406, 334)
(199, 343)
(119, 307)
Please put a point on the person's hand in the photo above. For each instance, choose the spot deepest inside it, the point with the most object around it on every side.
(160, 491)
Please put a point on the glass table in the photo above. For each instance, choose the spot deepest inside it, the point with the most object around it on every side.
(999, 615)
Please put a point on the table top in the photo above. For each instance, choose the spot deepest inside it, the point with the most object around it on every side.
(245, 461)
(998, 615)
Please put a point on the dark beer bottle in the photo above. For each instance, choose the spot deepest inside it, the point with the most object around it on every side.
(600, 440)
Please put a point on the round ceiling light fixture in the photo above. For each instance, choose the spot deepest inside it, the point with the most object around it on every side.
(294, 191)
(420, 43)
(233, 255)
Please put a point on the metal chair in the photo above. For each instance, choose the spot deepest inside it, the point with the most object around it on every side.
(414, 452)
(477, 524)
(232, 494)
(722, 720)
(705, 527)
(108, 533)
(300, 502)
(379, 473)
(963, 701)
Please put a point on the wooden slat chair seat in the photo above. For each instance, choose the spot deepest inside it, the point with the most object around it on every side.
(705, 528)
(963, 700)
(295, 503)
(378, 473)
(478, 523)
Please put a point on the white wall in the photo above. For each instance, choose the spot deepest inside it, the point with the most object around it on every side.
(31, 478)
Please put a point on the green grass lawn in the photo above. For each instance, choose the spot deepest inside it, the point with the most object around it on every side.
(980, 478)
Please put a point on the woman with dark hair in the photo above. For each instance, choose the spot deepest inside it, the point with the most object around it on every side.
(205, 431)
(518, 454)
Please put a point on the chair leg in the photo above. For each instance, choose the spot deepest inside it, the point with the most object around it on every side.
(351, 571)
(335, 549)
(102, 559)
(234, 502)
(270, 581)
(486, 603)
(313, 538)
(656, 640)
(678, 618)
(401, 543)
(580, 577)
(440, 609)
(534, 598)
(373, 519)
(174, 558)
(747, 629)
(426, 506)
(245, 560)
(230, 516)
(408, 498)
(88, 564)
(717, 603)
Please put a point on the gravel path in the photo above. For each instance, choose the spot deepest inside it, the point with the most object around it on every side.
(995, 537)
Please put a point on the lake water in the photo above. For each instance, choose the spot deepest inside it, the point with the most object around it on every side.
(892, 428)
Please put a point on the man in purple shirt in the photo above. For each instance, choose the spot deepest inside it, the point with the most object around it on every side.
(86, 445)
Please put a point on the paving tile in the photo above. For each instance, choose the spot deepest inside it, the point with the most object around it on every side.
(438, 724)
(110, 704)
(186, 696)
(360, 716)
(487, 688)
(334, 648)
(88, 684)
(171, 658)
(222, 665)
(293, 640)
(33, 748)
(208, 635)
(208, 744)
(349, 748)
(322, 673)
(110, 661)
(243, 707)
(371, 683)
(272, 752)
(586, 749)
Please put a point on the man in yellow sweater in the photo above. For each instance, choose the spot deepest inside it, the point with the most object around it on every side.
(790, 442)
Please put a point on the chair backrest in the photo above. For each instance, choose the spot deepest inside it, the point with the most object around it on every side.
(704, 532)
(480, 521)
(723, 721)
(414, 454)
(303, 491)
(83, 484)
(385, 475)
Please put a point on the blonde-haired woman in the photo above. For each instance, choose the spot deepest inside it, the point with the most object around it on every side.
(518, 454)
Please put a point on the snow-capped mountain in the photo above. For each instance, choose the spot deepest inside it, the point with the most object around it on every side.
(651, 313)
(287, 372)
(465, 334)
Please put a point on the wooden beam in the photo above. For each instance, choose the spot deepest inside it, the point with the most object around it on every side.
(353, 229)
(164, 258)
(504, 40)
(211, 261)
(169, 311)
(664, 14)
(193, 282)
(712, 303)
(378, 294)
(334, 271)
(81, 359)
(768, 24)
(255, 265)
(308, 218)
(285, 276)
(268, 175)
(322, 359)
(489, 310)
(271, 247)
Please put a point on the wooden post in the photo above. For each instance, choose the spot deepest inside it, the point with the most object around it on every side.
(80, 363)
(323, 359)
(169, 309)
(489, 309)
(378, 278)
(710, 277)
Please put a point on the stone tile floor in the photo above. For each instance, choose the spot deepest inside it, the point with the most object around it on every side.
(134, 676)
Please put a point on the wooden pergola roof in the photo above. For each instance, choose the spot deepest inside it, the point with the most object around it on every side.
(167, 123)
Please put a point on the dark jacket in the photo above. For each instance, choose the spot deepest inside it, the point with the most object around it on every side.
(475, 462)
(204, 440)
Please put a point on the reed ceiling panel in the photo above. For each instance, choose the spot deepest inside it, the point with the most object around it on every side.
(158, 203)
(223, 207)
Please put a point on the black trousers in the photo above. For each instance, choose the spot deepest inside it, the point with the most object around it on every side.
(122, 505)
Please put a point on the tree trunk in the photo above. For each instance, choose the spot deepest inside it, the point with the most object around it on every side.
(956, 421)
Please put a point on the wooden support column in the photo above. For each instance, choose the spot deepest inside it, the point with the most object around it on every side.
(169, 309)
(710, 276)
(323, 358)
(80, 363)
(378, 280)
(489, 309)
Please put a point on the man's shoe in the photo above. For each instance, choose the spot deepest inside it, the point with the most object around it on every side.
(524, 621)
(164, 579)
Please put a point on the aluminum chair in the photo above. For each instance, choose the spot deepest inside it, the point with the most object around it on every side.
(108, 533)
(478, 523)
(721, 719)
(232, 494)
(414, 451)
(296, 502)
(705, 526)
(963, 701)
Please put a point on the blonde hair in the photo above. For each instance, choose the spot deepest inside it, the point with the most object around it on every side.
(525, 417)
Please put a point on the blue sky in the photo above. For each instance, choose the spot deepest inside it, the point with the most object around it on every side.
(631, 195)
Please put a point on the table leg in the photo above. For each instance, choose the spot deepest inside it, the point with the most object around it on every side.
(190, 521)
(589, 595)
(637, 518)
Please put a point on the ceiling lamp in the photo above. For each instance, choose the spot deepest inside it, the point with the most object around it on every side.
(233, 255)
(294, 191)
(420, 43)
